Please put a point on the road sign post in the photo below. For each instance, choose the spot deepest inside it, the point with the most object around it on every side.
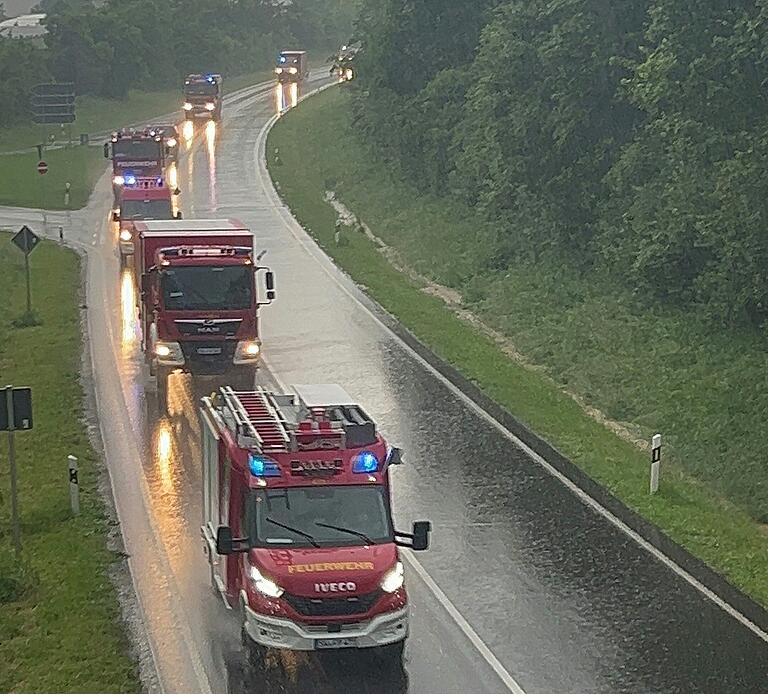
(15, 413)
(655, 462)
(26, 240)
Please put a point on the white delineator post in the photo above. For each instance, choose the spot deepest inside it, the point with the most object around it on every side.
(74, 485)
(655, 462)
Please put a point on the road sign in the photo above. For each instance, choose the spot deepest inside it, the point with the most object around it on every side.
(42, 167)
(26, 240)
(21, 402)
(53, 103)
(15, 413)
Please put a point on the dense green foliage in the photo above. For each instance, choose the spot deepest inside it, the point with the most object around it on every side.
(107, 48)
(621, 137)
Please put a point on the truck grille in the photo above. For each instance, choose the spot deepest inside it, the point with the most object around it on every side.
(332, 607)
(224, 327)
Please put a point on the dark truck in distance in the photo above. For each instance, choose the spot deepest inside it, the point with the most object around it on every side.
(292, 66)
(203, 97)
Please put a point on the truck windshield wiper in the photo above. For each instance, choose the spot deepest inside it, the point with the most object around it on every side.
(307, 536)
(357, 533)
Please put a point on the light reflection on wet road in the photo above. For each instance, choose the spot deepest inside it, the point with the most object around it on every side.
(563, 599)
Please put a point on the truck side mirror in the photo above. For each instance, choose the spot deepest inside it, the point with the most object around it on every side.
(106, 150)
(394, 456)
(421, 530)
(270, 281)
(224, 540)
(226, 544)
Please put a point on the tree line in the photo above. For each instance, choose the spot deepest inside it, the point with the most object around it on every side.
(622, 137)
(109, 47)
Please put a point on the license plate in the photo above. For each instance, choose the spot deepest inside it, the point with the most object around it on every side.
(335, 643)
(207, 351)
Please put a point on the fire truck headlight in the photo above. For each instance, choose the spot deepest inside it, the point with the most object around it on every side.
(172, 142)
(393, 579)
(118, 180)
(209, 106)
(125, 235)
(279, 70)
(265, 586)
(187, 106)
(292, 70)
(247, 351)
(169, 353)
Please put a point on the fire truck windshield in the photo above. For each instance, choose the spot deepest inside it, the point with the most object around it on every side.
(146, 209)
(208, 288)
(200, 89)
(322, 515)
(144, 148)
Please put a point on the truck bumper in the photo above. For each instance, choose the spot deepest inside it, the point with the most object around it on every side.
(273, 632)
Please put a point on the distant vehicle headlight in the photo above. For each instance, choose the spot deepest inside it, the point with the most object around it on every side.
(172, 142)
(118, 180)
(187, 106)
(292, 70)
(126, 235)
(209, 106)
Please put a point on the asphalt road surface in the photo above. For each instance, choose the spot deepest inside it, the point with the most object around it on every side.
(525, 588)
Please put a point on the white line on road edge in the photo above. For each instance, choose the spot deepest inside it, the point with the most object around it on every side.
(333, 272)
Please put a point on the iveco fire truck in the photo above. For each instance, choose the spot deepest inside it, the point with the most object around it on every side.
(199, 301)
(137, 204)
(138, 159)
(203, 97)
(292, 66)
(297, 521)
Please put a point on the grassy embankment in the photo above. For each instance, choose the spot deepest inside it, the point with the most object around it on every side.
(655, 371)
(81, 166)
(60, 627)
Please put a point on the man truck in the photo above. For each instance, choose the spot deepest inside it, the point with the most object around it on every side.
(297, 522)
(199, 304)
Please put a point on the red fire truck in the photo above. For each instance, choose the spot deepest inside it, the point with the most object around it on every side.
(199, 300)
(138, 159)
(138, 204)
(203, 97)
(297, 522)
(292, 66)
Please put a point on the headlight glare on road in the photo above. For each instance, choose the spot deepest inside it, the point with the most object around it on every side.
(393, 579)
(265, 586)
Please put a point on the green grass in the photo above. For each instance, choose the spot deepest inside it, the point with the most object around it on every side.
(96, 114)
(60, 628)
(21, 185)
(706, 392)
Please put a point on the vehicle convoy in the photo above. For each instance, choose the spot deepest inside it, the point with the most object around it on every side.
(297, 521)
(198, 299)
(292, 67)
(138, 159)
(138, 204)
(342, 63)
(203, 97)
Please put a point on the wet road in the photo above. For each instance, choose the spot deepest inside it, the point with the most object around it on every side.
(523, 580)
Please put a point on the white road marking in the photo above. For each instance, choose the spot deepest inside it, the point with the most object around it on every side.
(330, 269)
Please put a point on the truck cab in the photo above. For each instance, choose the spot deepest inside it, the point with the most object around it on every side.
(138, 160)
(139, 204)
(199, 299)
(292, 66)
(170, 136)
(203, 97)
(297, 522)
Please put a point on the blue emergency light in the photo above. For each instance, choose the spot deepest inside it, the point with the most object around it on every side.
(283, 58)
(130, 180)
(365, 462)
(262, 467)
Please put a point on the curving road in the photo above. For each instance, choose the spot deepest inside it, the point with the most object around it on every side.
(527, 588)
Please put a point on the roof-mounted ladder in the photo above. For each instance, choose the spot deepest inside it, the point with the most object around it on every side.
(258, 418)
